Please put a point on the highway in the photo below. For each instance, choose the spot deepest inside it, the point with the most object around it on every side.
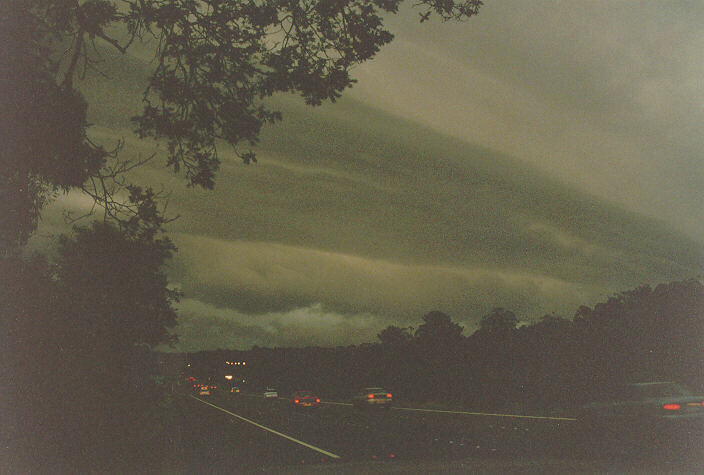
(244, 433)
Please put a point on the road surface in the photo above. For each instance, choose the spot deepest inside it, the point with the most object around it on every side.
(246, 433)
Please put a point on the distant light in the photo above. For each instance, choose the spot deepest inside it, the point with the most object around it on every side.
(671, 407)
(228, 377)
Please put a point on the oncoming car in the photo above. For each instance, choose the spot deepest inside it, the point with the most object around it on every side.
(659, 414)
(372, 397)
(302, 399)
(271, 392)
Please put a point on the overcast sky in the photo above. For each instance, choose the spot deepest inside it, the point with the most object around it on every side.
(540, 156)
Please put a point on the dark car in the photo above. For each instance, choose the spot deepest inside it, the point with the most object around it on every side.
(372, 397)
(662, 413)
(301, 399)
(204, 389)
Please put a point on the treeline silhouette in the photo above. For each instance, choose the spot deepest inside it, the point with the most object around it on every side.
(76, 337)
(554, 365)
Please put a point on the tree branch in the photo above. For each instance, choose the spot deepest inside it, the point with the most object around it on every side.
(77, 48)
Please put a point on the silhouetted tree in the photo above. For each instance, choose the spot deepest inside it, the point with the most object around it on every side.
(498, 322)
(214, 63)
(75, 343)
(116, 290)
(395, 336)
(644, 333)
(438, 330)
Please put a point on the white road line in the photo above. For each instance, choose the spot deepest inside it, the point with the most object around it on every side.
(518, 416)
(486, 414)
(325, 452)
(464, 412)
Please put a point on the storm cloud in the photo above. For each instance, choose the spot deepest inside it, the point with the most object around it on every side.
(536, 162)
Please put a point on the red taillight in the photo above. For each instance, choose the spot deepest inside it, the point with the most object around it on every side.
(671, 407)
(370, 396)
(388, 395)
(296, 401)
(317, 400)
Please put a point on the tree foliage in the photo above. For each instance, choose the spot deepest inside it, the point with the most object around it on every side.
(395, 336)
(438, 330)
(115, 289)
(215, 62)
(76, 339)
(498, 322)
(552, 365)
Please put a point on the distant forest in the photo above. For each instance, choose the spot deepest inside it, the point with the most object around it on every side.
(553, 365)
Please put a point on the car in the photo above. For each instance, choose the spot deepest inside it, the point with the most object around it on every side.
(271, 392)
(234, 390)
(304, 398)
(664, 413)
(372, 397)
(203, 389)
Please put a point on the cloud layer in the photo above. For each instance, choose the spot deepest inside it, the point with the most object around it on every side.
(605, 95)
(532, 161)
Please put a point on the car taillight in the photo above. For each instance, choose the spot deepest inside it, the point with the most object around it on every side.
(388, 395)
(671, 407)
(317, 400)
(296, 401)
(370, 396)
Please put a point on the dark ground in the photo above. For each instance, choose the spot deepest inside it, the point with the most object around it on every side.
(195, 437)
(210, 440)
